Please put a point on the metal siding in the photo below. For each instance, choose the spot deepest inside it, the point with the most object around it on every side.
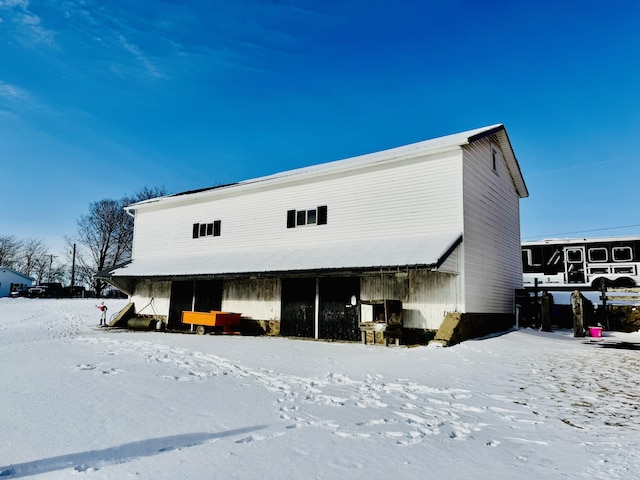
(492, 259)
(421, 196)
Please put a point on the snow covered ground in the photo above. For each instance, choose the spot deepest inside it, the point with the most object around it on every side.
(82, 402)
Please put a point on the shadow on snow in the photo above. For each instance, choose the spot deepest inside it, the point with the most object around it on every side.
(96, 459)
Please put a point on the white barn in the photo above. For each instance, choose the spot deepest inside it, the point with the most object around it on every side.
(435, 225)
(12, 281)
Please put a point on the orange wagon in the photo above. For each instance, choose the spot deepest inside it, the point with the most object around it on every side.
(213, 321)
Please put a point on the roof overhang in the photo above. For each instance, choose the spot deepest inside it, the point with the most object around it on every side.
(429, 251)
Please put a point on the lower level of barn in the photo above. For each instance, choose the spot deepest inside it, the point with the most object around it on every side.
(311, 306)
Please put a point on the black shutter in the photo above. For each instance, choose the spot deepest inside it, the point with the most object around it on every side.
(322, 215)
(291, 219)
(217, 225)
(196, 230)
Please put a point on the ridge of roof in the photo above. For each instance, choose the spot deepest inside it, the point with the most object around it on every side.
(433, 145)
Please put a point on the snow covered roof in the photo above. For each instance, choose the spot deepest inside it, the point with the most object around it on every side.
(424, 251)
(427, 147)
(11, 270)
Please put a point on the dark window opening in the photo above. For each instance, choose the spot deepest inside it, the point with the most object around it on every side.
(598, 255)
(311, 216)
(301, 217)
(574, 256)
(622, 254)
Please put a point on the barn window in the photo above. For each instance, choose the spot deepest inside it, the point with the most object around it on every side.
(313, 216)
(207, 229)
(496, 158)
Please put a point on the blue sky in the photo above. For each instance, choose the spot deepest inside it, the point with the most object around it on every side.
(98, 99)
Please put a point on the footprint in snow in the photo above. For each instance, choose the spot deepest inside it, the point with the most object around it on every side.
(85, 366)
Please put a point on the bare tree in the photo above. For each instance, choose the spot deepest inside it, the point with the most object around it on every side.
(34, 258)
(106, 232)
(9, 251)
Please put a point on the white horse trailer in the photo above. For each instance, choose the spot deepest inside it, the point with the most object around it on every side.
(582, 262)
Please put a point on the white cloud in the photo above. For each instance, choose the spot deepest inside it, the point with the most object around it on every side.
(134, 50)
(30, 30)
(13, 93)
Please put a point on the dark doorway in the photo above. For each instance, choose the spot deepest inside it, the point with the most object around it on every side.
(297, 317)
(338, 319)
(181, 300)
(202, 295)
(208, 295)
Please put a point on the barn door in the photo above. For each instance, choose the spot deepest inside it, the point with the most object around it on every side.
(181, 300)
(297, 318)
(338, 319)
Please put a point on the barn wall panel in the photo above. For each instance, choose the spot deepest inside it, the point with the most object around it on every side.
(419, 197)
(492, 259)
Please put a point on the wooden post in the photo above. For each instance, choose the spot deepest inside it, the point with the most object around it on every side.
(546, 302)
(603, 295)
(536, 302)
(577, 308)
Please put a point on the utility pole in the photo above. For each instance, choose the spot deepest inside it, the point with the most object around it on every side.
(73, 271)
(51, 257)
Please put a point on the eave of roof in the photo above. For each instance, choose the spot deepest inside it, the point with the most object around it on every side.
(427, 251)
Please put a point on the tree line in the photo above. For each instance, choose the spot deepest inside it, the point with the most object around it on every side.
(103, 239)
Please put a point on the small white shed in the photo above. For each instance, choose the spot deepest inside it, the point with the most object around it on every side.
(435, 225)
(12, 281)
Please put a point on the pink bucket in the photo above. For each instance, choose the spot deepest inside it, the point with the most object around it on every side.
(595, 331)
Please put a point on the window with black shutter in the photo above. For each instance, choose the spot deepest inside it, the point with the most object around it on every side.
(212, 229)
(312, 216)
(291, 218)
(322, 215)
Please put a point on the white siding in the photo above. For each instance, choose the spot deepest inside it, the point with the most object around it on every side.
(491, 246)
(426, 296)
(258, 299)
(151, 297)
(412, 198)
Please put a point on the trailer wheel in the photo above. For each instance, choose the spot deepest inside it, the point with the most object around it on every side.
(598, 283)
(624, 282)
(200, 330)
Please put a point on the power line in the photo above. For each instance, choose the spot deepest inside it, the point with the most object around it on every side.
(580, 231)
